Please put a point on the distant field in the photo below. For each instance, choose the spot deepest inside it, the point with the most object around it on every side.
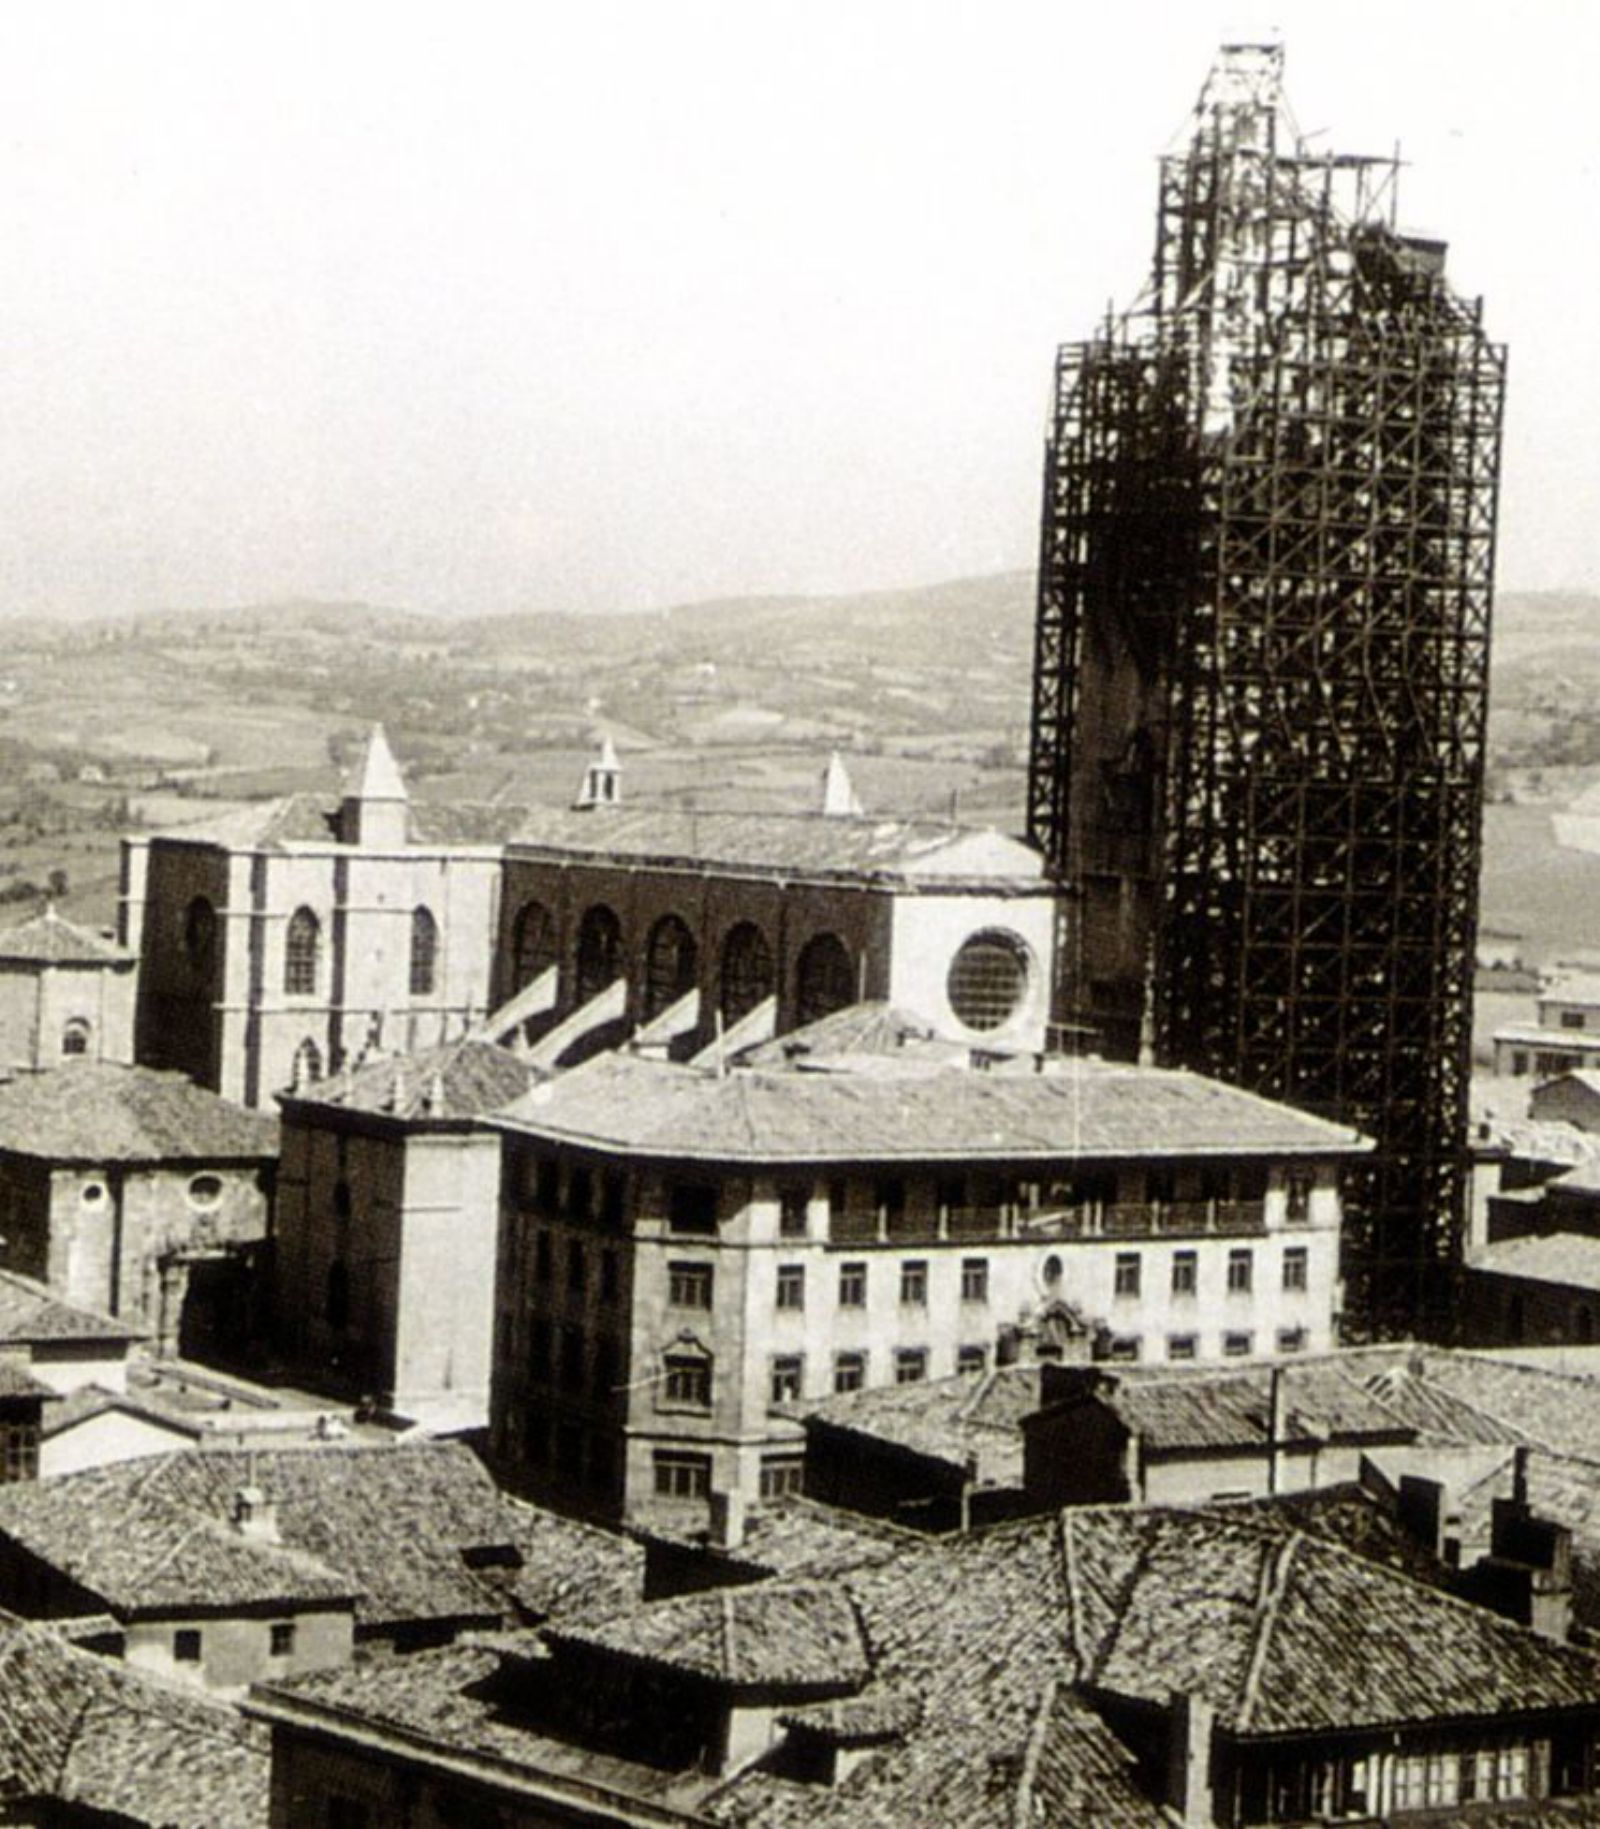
(1534, 888)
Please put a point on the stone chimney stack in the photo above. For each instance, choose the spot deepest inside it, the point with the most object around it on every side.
(602, 780)
(254, 1515)
(729, 1509)
(1191, 1721)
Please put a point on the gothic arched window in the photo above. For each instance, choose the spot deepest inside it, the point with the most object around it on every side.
(746, 971)
(300, 953)
(669, 965)
(424, 952)
(825, 979)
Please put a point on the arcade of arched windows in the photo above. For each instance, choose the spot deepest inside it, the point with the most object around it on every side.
(825, 978)
(599, 951)
(671, 965)
(534, 945)
(747, 971)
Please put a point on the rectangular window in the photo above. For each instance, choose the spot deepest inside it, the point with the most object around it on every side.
(1124, 1348)
(691, 1207)
(572, 1358)
(682, 1476)
(1241, 1272)
(974, 1279)
(611, 1192)
(972, 1359)
(852, 1285)
(849, 1371)
(1295, 1260)
(608, 1277)
(282, 1645)
(1297, 1196)
(1291, 1339)
(1185, 1272)
(1237, 1345)
(1572, 1019)
(580, 1193)
(782, 1474)
(186, 1645)
(911, 1365)
(791, 1286)
(547, 1184)
(541, 1258)
(575, 1267)
(788, 1376)
(914, 1283)
(1127, 1274)
(688, 1380)
(689, 1285)
(793, 1205)
(1182, 1346)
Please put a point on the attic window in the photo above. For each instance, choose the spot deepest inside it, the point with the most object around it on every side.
(988, 979)
(75, 1037)
(205, 1191)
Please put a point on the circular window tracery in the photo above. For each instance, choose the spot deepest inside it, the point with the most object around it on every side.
(988, 980)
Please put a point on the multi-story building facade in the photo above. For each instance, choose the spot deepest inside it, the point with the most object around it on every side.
(1564, 1036)
(384, 1229)
(281, 944)
(66, 993)
(682, 1250)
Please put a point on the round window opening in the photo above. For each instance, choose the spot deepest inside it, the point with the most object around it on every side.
(93, 1193)
(988, 979)
(1051, 1271)
(205, 1190)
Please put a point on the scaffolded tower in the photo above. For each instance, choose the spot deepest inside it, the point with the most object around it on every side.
(1261, 672)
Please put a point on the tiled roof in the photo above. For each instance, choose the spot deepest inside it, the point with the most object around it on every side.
(84, 1731)
(394, 1521)
(807, 844)
(571, 1567)
(1085, 1110)
(1221, 1409)
(1511, 1402)
(450, 1698)
(794, 1535)
(145, 1555)
(778, 1635)
(17, 1381)
(312, 819)
(89, 1401)
(1574, 987)
(95, 1111)
(953, 1420)
(32, 1314)
(972, 1661)
(48, 939)
(871, 1031)
(462, 1079)
(1297, 1635)
(1544, 1140)
(1557, 1257)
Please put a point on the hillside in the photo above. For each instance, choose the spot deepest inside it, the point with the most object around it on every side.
(737, 702)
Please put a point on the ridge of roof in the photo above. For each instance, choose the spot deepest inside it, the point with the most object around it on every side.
(1275, 1582)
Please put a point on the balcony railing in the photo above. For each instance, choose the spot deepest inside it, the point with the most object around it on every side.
(1087, 1220)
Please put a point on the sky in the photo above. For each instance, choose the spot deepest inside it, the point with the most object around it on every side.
(616, 304)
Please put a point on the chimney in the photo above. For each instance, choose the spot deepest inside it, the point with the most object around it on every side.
(728, 1515)
(602, 780)
(1419, 1509)
(1277, 1425)
(254, 1516)
(1190, 1720)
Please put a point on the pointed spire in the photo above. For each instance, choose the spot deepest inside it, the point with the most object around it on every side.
(378, 777)
(839, 798)
(374, 808)
(602, 779)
